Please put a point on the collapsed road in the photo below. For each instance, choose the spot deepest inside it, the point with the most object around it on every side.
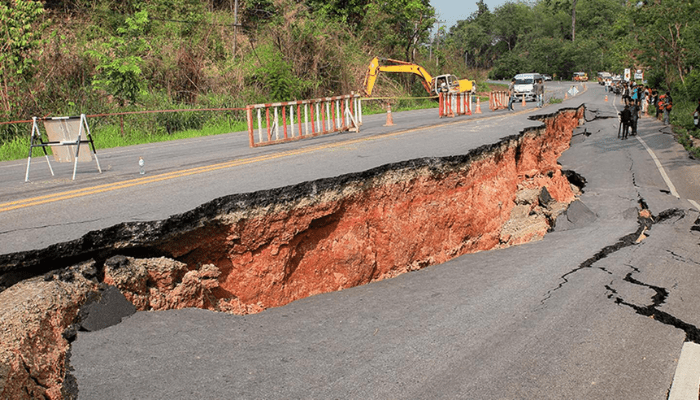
(566, 314)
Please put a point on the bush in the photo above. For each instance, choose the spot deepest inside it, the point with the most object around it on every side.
(692, 85)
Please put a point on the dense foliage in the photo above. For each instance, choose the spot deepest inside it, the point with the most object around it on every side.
(560, 37)
(62, 57)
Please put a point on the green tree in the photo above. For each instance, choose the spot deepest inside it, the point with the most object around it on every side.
(667, 37)
(119, 62)
(21, 30)
(473, 38)
(398, 27)
(351, 12)
(512, 21)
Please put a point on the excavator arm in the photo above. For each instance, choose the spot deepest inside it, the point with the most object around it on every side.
(396, 66)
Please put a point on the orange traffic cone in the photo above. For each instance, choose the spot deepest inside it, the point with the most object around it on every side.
(524, 101)
(566, 95)
(478, 105)
(606, 97)
(389, 119)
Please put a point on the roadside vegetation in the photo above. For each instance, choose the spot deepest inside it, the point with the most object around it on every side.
(102, 57)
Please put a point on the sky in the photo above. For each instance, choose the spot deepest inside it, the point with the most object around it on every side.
(452, 11)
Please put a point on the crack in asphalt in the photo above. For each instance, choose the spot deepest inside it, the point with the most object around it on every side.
(692, 333)
(625, 241)
(660, 293)
(50, 226)
(681, 258)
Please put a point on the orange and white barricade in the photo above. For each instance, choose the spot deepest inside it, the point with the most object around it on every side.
(454, 104)
(294, 120)
(498, 100)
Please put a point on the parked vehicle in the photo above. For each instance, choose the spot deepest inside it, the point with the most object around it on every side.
(603, 76)
(547, 77)
(580, 76)
(524, 85)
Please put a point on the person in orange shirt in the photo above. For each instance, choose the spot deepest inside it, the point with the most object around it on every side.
(668, 105)
(660, 106)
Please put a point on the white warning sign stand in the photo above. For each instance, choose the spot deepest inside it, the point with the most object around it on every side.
(69, 139)
(573, 91)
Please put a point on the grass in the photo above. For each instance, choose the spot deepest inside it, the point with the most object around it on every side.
(110, 135)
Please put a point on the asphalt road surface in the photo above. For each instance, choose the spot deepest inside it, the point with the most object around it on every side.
(588, 312)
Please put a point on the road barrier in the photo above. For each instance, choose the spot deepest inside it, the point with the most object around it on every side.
(453, 104)
(498, 100)
(320, 117)
(67, 136)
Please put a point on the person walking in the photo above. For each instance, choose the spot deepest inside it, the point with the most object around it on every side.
(696, 116)
(540, 93)
(511, 94)
(668, 105)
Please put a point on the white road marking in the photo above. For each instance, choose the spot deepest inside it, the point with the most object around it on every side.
(662, 171)
(686, 381)
(696, 205)
(660, 167)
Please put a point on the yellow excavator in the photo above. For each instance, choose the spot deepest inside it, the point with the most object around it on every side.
(434, 85)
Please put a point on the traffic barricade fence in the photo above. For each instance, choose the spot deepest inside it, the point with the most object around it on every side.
(69, 139)
(294, 120)
(498, 100)
(453, 104)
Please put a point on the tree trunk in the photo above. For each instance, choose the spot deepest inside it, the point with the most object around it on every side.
(573, 21)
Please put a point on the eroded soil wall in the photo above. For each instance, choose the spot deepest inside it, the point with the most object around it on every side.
(244, 253)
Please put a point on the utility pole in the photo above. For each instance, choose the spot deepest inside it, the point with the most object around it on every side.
(437, 45)
(235, 27)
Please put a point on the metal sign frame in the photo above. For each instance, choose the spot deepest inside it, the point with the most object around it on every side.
(37, 140)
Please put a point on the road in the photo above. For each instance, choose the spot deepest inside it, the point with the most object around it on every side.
(186, 173)
(584, 313)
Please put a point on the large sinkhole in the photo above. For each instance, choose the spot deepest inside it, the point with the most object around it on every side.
(244, 253)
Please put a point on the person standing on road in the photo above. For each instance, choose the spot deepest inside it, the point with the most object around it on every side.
(696, 117)
(634, 118)
(635, 94)
(540, 94)
(511, 94)
(668, 105)
(625, 118)
(626, 93)
(660, 106)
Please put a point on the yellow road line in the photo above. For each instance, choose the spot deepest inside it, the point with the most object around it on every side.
(71, 194)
